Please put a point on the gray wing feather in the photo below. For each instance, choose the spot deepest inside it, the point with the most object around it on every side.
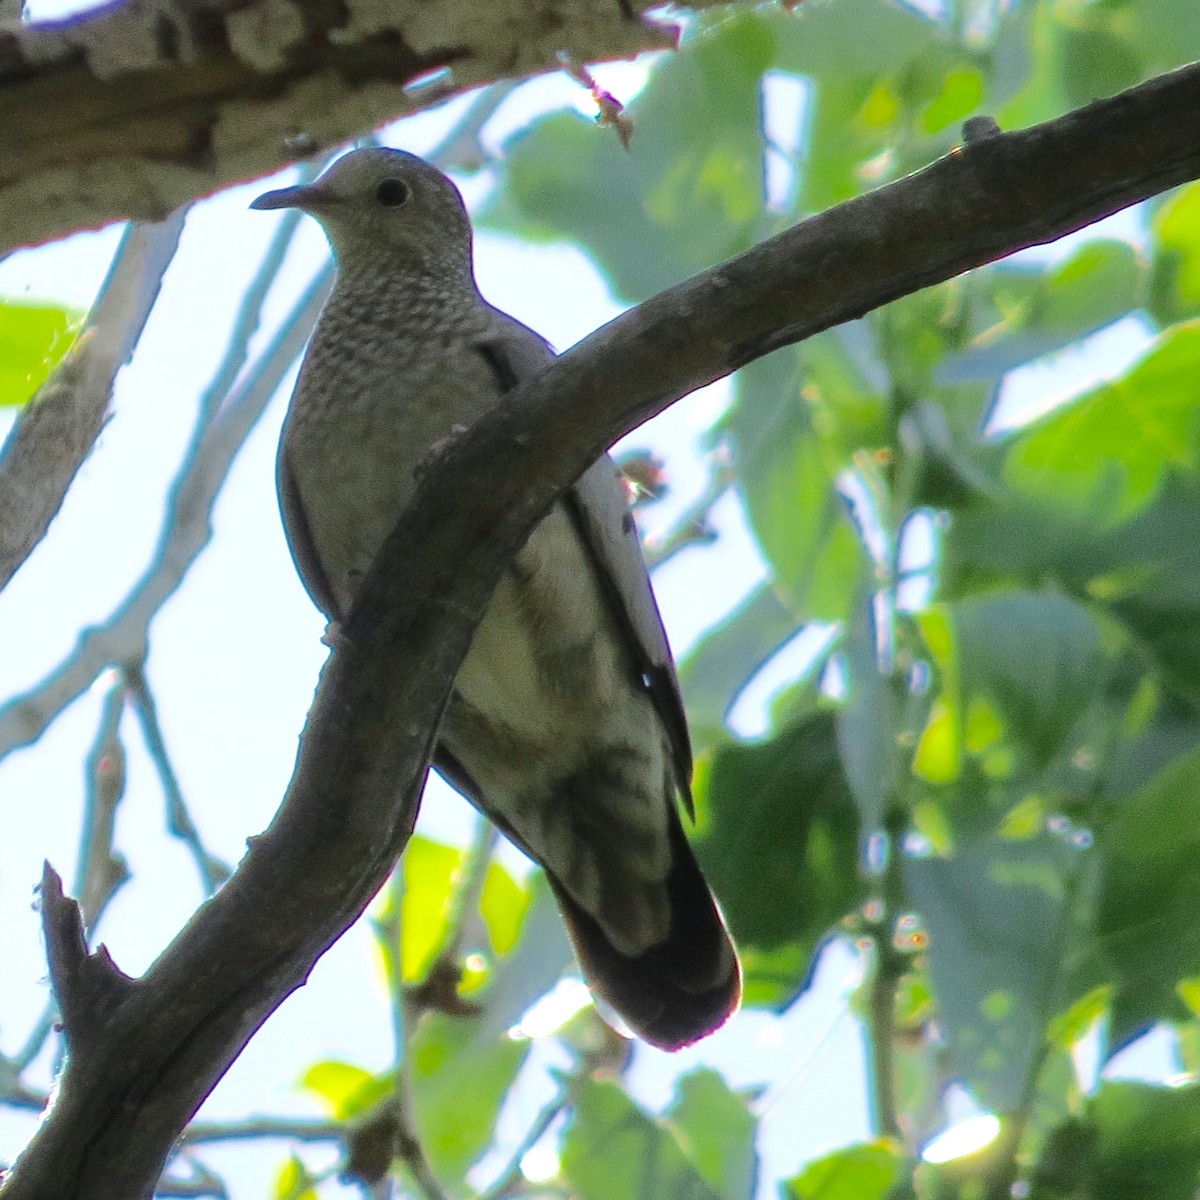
(600, 508)
(299, 538)
(602, 515)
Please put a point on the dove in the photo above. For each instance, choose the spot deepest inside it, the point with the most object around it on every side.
(566, 724)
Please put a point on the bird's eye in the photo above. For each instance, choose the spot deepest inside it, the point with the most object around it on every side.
(391, 193)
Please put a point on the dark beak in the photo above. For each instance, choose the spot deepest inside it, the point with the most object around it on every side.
(306, 197)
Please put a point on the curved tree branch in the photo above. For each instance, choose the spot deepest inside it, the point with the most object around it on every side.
(134, 109)
(58, 428)
(155, 1046)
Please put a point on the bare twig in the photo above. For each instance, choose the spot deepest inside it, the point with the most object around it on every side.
(246, 321)
(468, 894)
(102, 870)
(888, 967)
(460, 149)
(294, 1129)
(413, 1155)
(692, 528)
(213, 871)
(767, 1104)
(611, 111)
(390, 1131)
(201, 1180)
(289, 1129)
(440, 989)
(17, 1094)
(511, 1178)
(57, 429)
(36, 1039)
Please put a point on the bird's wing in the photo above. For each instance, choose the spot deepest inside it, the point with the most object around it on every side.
(299, 538)
(600, 509)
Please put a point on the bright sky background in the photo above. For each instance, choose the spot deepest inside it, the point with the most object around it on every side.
(235, 655)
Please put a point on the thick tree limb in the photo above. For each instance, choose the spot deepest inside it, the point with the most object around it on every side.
(135, 109)
(351, 804)
(88, 985)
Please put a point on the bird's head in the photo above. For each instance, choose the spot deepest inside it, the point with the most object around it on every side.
(387, 208)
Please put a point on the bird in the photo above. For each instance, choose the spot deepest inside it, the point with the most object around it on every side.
(565, 725)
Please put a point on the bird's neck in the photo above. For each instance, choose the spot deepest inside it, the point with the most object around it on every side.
(391, 291)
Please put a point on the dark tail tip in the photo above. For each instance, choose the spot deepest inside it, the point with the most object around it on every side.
(680, 990)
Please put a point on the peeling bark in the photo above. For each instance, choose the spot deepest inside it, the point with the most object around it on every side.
(135, 109)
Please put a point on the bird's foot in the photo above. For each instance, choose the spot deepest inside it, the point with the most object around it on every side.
(439, 448)
(333, 637)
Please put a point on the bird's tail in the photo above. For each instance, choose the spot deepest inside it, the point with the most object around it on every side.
(684, 987)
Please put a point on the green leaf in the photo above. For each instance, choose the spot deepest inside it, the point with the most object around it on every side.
(995, 913)
(915, 334)
(1136, 1141)
(1097, 62)
(1144, 573)
(868, 720)
(294, 1181)
(461, 1073)
(1148, 1141)
(716, 670)
(781, 848)
(864, 1172)
(1164, 33)
(844, 386)
(503, 904)
(1040, 313)
(429, 871)
(431, 874)
(1041, 97)
(1036, 657)
(1149, 572)
(1098, 283)
(1175, 286)
(346, 1089)
(1150, 893)
(1102, 458)
(613, 1150)
(716, 1130)
(857, 111)
(961, 93)
(939, 748)
(826, 42)
(33, 340)
(787, 480)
